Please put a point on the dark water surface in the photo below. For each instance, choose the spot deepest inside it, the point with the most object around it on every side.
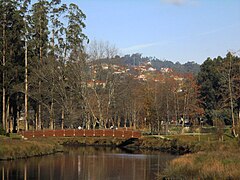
(88, 163)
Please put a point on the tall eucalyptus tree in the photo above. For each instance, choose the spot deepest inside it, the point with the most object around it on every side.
(12, 52)
(40, 33)
(56, 12)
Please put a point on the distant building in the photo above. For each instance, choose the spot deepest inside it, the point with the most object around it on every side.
(166, 70)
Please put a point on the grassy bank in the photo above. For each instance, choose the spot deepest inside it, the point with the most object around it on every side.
(204, 165)
(211, 159)
(15, 148)
(88, 141)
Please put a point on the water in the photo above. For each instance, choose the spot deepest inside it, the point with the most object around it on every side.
(88, 163)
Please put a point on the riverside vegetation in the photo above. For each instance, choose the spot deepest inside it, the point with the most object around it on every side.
(211, 157)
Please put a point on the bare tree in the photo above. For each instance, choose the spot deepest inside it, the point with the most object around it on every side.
(97, 50)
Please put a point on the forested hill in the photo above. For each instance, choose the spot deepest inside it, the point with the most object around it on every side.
(189, 67)
(137, 59)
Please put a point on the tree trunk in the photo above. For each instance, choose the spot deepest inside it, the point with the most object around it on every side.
(62, 119)
(134, 119)
(36, 119)
(4, 123)
(26, 86)
(8, 116)
(40, 125)
(231, 98)
(4, 109)
(118, 121)
(51, 116)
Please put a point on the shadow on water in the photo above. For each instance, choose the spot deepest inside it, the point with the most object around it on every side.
(87, 163)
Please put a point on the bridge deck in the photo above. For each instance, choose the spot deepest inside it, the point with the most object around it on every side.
(125, 134)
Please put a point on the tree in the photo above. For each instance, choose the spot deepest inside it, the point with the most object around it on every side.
(12, 53)
(209, 80)
(39, 45)
(229, 87)
(219, 89)
(55, 55)
(24, 11)
(74, 32)
(97, 50)
(101, 82)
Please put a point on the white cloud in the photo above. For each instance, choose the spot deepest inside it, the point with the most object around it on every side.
(175, 2)
(138, 47)
(181, 2)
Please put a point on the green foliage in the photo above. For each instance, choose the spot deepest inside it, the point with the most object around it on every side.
(216, 78)
(39, 29)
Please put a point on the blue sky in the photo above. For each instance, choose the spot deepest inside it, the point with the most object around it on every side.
(176, 30)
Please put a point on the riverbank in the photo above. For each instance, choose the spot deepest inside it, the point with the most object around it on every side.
(203, 156)
(221, 164)
(15, 147)
(216, 158)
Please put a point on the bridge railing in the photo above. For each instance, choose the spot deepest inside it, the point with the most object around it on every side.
(82, 133)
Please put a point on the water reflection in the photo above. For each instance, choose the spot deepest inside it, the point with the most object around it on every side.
(88, 163)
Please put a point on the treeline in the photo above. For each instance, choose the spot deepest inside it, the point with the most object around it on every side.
(189, 67)
(51, 79)
(33, 36)
(137, 59)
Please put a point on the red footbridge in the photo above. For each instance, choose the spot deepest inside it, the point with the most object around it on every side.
(119, 133)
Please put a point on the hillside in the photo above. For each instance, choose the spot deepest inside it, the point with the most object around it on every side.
(137, 59)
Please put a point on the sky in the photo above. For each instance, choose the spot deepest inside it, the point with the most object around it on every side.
(175, 30)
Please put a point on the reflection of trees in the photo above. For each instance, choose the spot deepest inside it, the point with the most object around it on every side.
(87, 163)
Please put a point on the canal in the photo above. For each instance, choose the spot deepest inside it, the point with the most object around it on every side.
(88, 163)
